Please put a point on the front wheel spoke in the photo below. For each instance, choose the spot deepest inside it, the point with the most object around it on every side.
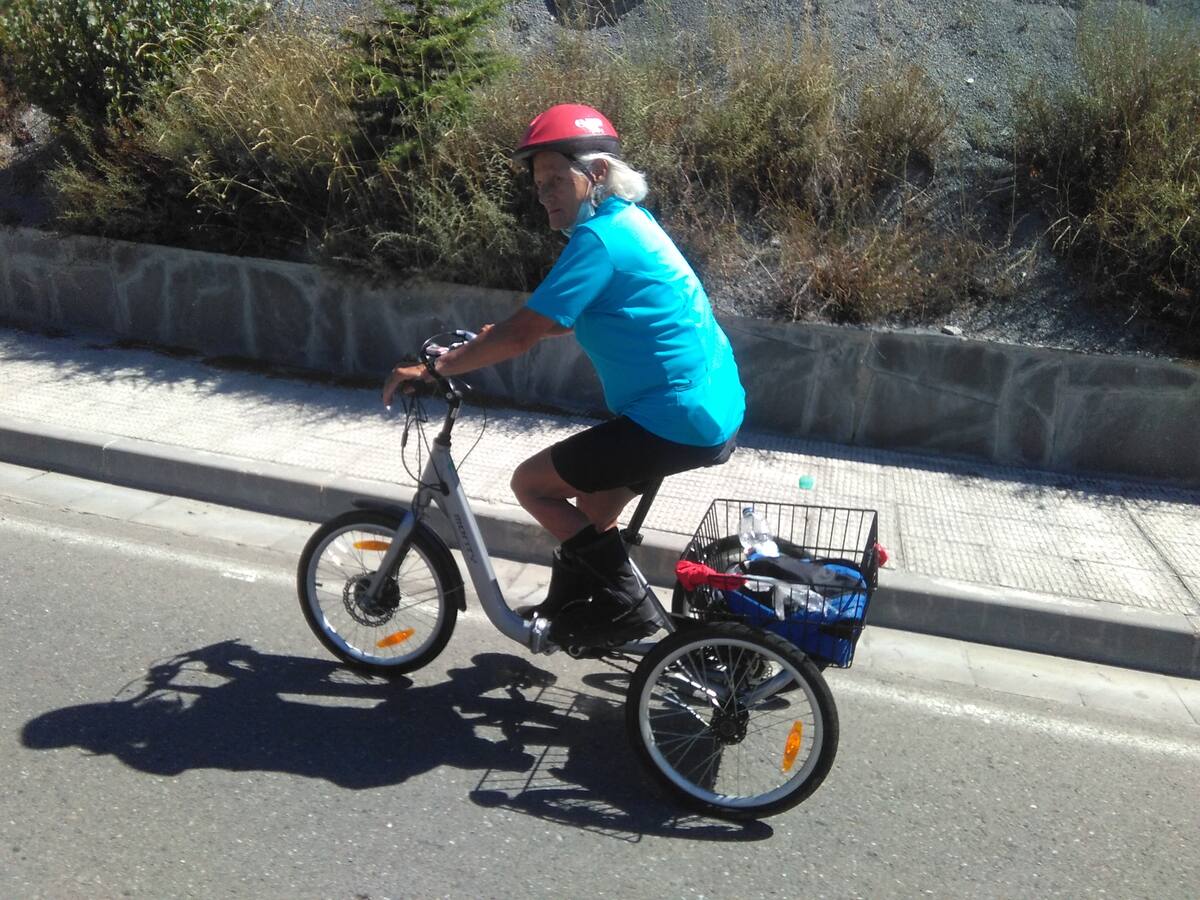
(738, 672)
(693, 675)
(418, 604)
(681, 754)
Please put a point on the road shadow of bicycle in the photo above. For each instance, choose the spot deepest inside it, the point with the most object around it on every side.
(544, 750)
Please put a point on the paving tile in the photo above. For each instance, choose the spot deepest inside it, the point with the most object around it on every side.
(1170, 521)
(1135, 694)
(1193, 586)
(116, 502)
(1002, 670)
(1129, 586)
(10, 474)
(1189, 694)
(882, 650)
(51, 489)
(1182, 556)
(217, 522)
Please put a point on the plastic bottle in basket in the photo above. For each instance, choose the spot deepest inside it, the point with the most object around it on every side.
(801, 601)
(754, 534)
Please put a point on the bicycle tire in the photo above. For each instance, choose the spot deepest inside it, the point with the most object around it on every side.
(415, 616)
(720, 756)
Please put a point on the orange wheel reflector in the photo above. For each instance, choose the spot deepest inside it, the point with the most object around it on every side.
(381, 546)
(792, 747)
(398, 638)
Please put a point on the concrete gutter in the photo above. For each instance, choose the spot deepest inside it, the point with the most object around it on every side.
(1098, 632)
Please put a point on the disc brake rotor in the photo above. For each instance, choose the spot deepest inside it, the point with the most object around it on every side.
(364, 611)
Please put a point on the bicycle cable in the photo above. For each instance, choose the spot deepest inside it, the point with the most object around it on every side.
(414, 413)
(479, 437)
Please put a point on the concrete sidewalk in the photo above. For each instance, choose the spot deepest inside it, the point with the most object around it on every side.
(1102, 570)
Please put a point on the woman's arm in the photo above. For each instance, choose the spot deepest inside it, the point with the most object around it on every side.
(510, 338)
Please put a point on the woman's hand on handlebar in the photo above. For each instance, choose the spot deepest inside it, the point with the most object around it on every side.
(404, 377)
(407, 377)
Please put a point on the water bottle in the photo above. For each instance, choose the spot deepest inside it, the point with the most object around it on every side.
(803, 601)
(754, 534)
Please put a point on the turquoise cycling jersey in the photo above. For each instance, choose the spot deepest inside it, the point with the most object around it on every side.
(644, 320)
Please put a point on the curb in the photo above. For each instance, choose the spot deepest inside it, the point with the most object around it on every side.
(1168, 643)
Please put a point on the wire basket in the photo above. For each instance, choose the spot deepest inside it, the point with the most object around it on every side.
(815, 594)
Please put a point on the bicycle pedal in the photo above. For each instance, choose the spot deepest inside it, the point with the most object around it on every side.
(576, 651)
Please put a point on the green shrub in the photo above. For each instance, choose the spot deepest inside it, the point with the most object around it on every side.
(92, 58)
(1116, 157)
(267, 136)
(415, 67)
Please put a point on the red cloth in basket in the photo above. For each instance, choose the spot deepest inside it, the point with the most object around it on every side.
(693, 574)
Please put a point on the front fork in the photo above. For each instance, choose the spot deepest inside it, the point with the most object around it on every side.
(395, 551)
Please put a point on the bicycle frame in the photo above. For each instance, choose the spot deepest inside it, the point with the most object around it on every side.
(440, 485)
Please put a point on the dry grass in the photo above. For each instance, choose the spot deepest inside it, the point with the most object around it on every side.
(746, 144)
(255, 143)
(1116, 159)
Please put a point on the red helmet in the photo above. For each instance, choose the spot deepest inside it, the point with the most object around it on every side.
(570, 129)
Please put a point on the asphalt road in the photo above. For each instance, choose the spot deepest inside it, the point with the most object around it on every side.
(170, 728)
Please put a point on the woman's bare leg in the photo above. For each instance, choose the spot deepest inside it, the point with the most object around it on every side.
(546, 497)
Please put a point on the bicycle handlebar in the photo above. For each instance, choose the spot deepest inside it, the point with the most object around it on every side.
(433, 347)
(438, 344)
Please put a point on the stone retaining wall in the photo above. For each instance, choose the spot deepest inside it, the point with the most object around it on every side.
(1005, 404)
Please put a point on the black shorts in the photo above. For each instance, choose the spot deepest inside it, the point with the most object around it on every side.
(621, 453)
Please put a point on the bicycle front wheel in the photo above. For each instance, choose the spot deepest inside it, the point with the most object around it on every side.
(403, 628)
(733, 721)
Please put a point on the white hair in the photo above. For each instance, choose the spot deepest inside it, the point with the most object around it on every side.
(622, 180)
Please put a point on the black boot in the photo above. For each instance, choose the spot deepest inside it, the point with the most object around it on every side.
(620, 609)
(568, 584)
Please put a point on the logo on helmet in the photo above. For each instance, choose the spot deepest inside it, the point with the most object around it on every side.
(592, 124)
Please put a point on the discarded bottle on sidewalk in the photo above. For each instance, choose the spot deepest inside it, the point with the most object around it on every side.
(754, 534)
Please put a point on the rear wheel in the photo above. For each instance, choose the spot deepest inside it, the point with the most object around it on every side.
(403, 628)
(733, 721)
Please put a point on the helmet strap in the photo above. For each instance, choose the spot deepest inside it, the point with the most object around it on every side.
(586, 170)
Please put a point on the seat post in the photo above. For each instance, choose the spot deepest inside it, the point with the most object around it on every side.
(632, 532)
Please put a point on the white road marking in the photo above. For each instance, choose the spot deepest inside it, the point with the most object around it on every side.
(142, 550)
(999, 716)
